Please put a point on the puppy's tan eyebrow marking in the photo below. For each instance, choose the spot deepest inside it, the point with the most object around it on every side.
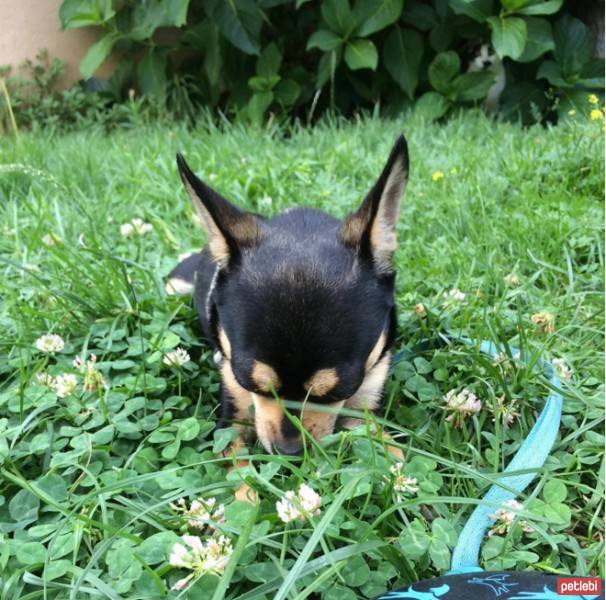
(225, 345)
(321, 382)
(265, 377)
(375, 353)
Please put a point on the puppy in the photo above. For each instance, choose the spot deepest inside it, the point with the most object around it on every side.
(299, 306)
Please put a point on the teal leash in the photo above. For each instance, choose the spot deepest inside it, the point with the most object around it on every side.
(531, 456)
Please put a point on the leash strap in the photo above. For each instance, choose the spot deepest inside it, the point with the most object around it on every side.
(531, 456)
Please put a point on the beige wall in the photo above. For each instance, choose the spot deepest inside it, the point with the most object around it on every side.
(27, 26)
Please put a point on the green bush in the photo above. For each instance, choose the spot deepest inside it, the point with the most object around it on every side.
(35, 98)
(252, 57)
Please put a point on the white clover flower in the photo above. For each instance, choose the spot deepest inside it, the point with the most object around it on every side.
(305, 503)
(265, 202)
(461, 405)
(200, 558)
(176, 358)
(50, 343)
(135, 227)
(127, 229)
(453, 297)
(182, 557)
(545, 321)
(50, 239)
(202, 513)
(310, 500)
(182, 583)
(401, 483)
(218, 553)
(287, 508)
(505, 517)
(562, 369)
(93, 378)
(65, 384)
(502, 359)
(46, 380)
(506, 412)
(512, 280)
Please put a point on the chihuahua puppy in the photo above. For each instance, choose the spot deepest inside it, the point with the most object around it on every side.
(299, 306)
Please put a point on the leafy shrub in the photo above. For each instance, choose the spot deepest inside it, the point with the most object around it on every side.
(251, 57)
(35, 99)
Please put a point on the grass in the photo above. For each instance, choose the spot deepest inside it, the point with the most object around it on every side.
(86, 479)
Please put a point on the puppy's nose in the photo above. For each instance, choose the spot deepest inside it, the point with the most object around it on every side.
(289, 447)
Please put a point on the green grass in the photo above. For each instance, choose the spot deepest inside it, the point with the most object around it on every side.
(86, 480)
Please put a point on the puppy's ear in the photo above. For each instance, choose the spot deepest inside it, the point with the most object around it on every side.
(228, 228)
(372, 228)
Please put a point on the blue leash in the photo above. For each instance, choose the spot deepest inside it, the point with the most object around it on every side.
(530, 457)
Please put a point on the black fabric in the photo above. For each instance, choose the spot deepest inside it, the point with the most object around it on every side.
(487, 585)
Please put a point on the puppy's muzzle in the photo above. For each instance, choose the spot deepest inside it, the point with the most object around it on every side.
(289, 447)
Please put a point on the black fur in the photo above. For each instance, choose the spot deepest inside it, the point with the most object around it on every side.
(298, 297)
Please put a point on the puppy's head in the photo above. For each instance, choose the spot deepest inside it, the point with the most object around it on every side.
(302, 304)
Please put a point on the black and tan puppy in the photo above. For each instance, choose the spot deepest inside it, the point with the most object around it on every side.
(299, 306)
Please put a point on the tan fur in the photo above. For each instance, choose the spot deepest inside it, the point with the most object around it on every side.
(225, 345)
(217, 244)
(178, 287)
(321, 424)
(244, 493)
(268, 420)
(265, 377)
(245, 230)
(383, 238)
(242, 398)
(321, 382)
(393, 450)
(369, 393)
(269, 415)
(352, 230)
(373, 357)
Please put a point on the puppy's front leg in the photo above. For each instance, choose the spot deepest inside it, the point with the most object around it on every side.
(393, 450)
(244, 492)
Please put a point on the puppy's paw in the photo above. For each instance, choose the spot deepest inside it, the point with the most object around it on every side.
(393, 450)
(247, 494)
(396, 453)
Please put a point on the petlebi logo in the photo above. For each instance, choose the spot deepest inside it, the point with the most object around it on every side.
(569, 586)
(548, 594)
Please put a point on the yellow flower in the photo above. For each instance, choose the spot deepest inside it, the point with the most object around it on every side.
(596, 114)
(572, 112)
(593, 99)
(437, 176)
(420, 310)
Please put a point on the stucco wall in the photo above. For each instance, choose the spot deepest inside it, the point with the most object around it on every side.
(30, 25)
